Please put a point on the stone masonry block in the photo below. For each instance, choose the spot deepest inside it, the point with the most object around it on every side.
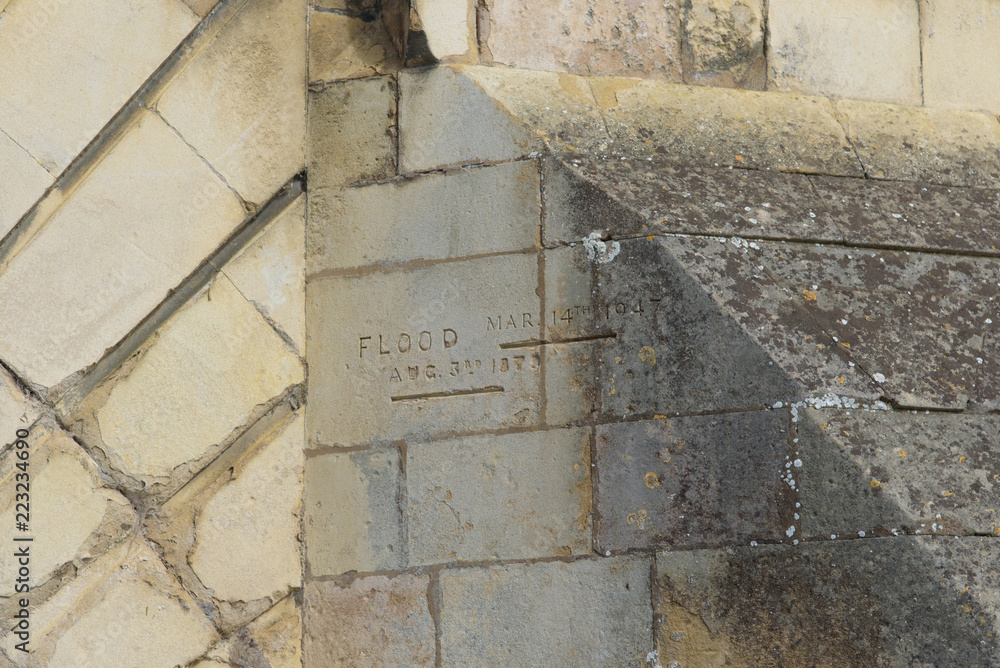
(352, 517)
(204, 374)
(961, 54)
(66, 67)
(352, 132)
(144, 219)
(430, 217)
(592, 612)
(375, 621)
(345, 47)
(512, 496)
(846, 48)
(241, 102)
(724, 43)
(22, 182)
(600, 38)
(419, 353)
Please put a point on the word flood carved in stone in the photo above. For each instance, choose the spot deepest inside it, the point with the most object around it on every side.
(404, 342)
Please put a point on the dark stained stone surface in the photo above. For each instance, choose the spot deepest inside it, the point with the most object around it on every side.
(708, 480)
(878, 472)
(914, 322)
(863, 603)
(912, 215)
(670, 198)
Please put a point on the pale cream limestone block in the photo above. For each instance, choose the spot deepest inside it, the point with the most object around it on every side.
(143, 220)
(277, 634)
(74, 517)
(22, 181)
(201, 7)
(607, 37)
(270, 272)
(123, 608)
(18, 410)
(209, 367)
(961, 54)
(246, 535)
(67, 66)
(861, 49)
(241, 103)
(450, 27)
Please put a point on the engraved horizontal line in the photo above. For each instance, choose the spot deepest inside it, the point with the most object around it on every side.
(492, 389)
(533, 343)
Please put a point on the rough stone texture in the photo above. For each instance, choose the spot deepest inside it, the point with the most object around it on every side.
(419, 353)
(910, 215)
(158, 421)
(702, 127)
(352, 519)
(449, 26)
(376, 621)
(875, 602)
(513, 496)
(67, 67)
(270, 273)
(961, 54)
(445, 119)
(711, 480)
(144, 219)
(436, 216)
(352, 132)
(247, 543)
(846, 48)
(594, 612)
(913, 322)
(201, 7)
(880, 473)
(601, 37)
(622, 198)
(22, 181)
(344, 47)
(923, 144)
(724, 43)
(124, 605)
(74, 516)
(241, 102)
(273, 640)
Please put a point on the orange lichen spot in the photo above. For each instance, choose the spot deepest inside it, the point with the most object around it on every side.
(659, 417)
(902, 453)
(875, 483)
(996, 532)
(824, 425)
(739, 158)
(649, 238)
(650, 480)
(961, 459)
(647, 355)
(948, 493)
(841, 379)
(846, 345)
(809, 295)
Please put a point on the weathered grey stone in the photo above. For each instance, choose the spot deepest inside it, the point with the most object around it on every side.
(511, 496)
(913, 322)
(449, 27)
(872, 602)
(423, 352)
(352, 132)
(602, 37)
(352, 519)
(876, 473)
(637, 197)
(911, 215)
(710, 480)
(445, 119)
(724, 43)
(430, 217)
(957, 148)
(714, 127)
(376, 621)
(845, 48)
(592, 612)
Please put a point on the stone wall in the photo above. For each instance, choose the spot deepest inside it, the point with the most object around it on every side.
(938, 53)
(453, 333)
